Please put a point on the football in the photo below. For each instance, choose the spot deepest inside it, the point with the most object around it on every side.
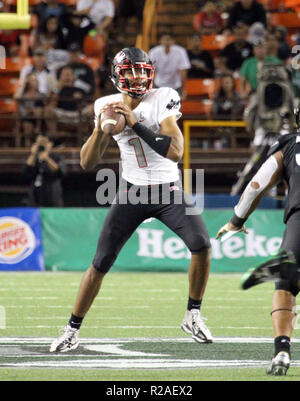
(112, 122)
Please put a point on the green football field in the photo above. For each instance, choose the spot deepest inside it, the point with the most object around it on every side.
(132, 332)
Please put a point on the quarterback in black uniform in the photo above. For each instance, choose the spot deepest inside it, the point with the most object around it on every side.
(283, 163)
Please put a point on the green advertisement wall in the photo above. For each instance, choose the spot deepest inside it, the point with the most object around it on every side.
(70, 238)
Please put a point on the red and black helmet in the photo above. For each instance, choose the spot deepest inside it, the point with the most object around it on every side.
(132, 58)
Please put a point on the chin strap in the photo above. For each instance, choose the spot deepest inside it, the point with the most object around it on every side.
(281, 309)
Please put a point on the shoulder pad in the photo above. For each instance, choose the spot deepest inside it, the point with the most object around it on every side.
(280, 143)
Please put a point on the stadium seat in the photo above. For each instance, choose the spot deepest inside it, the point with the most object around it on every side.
(94, 46)
(197, 106)
(292, 39)
(12, 65)
(215, 42)
(8, 86)
(295, 4)
(15, 64)
(93, 62)
(200, 87)
(237, 84)
(272, 5)
(8, 106)
(289, 20)
(69, 2)
(277, 4)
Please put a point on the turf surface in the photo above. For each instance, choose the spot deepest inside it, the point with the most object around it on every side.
(138, 316)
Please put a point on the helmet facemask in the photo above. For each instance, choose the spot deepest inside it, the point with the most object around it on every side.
(134, 80)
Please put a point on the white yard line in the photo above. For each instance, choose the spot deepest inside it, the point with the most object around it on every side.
(92, 340)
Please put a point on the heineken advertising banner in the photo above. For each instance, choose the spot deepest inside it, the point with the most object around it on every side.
(70, 239)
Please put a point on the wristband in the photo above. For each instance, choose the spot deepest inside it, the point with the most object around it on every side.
(160, 143)
(237, 221)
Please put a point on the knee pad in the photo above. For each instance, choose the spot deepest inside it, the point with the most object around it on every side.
(286, 286)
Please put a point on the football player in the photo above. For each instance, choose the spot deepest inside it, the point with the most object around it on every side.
(283, 163)
(151, 145)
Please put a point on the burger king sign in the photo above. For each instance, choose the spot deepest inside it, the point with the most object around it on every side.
(20, 240)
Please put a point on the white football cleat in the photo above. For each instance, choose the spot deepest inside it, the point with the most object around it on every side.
(193, 324)
(67, 341)
(279, 364)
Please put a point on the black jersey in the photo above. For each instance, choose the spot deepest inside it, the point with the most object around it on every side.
(290, 147)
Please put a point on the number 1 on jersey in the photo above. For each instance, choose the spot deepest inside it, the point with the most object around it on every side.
(139, 152)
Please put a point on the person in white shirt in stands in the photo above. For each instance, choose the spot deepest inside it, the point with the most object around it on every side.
(171, 63)
(101, 12)
(46, 79)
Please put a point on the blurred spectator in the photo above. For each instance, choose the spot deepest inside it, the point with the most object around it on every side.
(208, 20)
(270, 25)
(296, 83)
(250, 67)
(101, 12)
(226, 5)
(284, 50)
(46, 79)
(76, 27)
(84, 75)
(256, 32)
(297, 38)
(235, 53)
(171, 63)
(11, 41)
(56, 58)
(247, 11)
(127, 9)
(220, 67)
(31, 104)
(103, 77)
(227, 102)
(5, 7)
(48, 8)
(48, 35)
(294, 63)
(272, 45)
(68, 103)
(202, 65)
(44, 171)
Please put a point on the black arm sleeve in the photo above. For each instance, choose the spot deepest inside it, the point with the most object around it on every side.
(160, 143)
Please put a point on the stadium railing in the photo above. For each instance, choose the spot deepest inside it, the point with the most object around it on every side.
(228, 158)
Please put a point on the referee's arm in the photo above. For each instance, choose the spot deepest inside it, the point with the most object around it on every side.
(261, 183)
(267, 176)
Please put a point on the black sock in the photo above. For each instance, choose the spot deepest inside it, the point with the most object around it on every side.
(193, 304)
(75, 322)
(282, 343)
